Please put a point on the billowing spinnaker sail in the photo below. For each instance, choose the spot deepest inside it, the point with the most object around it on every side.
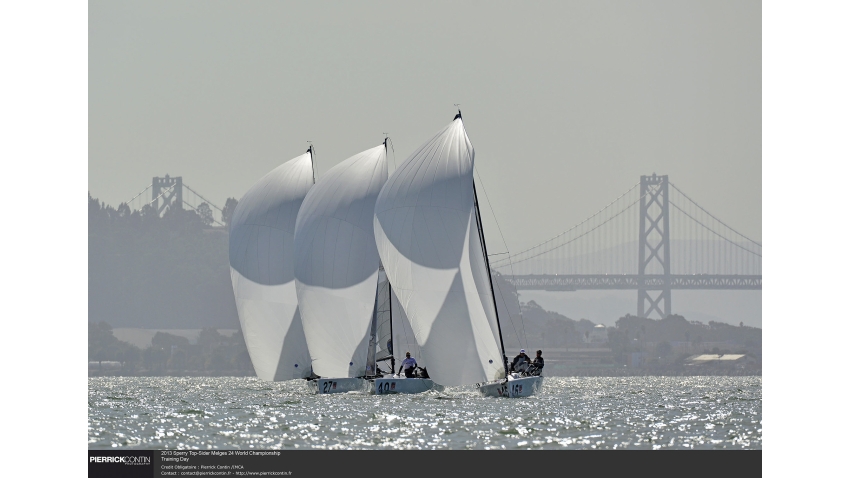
(427, 237)
(262, 269)
(336, 270)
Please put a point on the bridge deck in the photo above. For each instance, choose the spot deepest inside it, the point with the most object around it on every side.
(570, 282)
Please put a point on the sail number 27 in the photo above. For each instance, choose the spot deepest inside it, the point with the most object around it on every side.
(328, 386)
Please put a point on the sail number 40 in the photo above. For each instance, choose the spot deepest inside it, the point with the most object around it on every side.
(386, 387)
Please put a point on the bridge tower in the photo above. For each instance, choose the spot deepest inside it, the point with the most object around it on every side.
(171, 192)
(654, 243)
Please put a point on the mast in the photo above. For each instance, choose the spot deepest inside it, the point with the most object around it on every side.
(390, 301)
(487, 265)
(313, 170)
(392, 349)
(490, 278)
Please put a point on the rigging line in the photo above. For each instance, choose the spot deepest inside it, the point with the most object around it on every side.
(140, 193)
(493, 211)
(508, 252)
(715, 233)
(510, 316)
(205, 199)
(582, 235)
(718, 220)
(579, 224)
(519, 307)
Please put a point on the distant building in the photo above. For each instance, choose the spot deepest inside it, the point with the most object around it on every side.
(721, 361)
(599, 335)
(716, 358)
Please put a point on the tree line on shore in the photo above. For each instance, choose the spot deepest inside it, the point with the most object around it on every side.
(211, 353)
(158, 272)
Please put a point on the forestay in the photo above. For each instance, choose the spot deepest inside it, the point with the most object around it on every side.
(336, 270)
(427, 236)
(262, 270)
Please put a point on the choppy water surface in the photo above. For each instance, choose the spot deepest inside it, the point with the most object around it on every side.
(569, 413)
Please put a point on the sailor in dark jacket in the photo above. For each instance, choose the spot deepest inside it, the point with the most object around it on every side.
(537, 366)
(538, 361)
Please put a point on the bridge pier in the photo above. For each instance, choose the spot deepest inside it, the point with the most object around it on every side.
(170, 190)
(654, 246)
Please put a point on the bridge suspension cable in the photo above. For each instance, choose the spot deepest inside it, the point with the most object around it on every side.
(577, 237)
(717, 233)
(169, 188)
(570, 229)
(607, 242)
(712, 215)
(205, 199)
(140, 193)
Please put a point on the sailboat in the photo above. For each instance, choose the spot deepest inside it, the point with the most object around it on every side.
(431, 243)
(337, 272)
(262, 270)
(381, 345)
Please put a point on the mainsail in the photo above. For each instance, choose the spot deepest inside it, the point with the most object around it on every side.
(426, 228)
(336, 270)
(262, 270)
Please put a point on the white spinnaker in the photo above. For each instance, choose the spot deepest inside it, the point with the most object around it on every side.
(336, 270)
(427, 237)
(262, 270)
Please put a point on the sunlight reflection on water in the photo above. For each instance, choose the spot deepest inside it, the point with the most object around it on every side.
(569, 413)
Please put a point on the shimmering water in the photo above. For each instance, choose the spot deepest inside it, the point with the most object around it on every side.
(569, 413)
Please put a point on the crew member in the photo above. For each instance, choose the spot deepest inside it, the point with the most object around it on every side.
(409, 366)
(521, 362)
(537, 365)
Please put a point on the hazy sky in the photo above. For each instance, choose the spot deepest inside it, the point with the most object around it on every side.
(567, 103)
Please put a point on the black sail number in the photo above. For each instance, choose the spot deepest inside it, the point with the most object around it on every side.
(384, 387)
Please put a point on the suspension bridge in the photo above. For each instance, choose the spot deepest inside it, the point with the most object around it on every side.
(653, 239)
(164, 193)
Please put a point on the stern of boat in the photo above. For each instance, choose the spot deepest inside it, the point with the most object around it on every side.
(323, 386)
(512, 388)
(390, 385)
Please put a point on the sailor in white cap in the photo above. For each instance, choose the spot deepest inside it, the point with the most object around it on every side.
(521, 362)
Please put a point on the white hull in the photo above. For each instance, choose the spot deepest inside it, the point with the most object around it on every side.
(513, 388)
(384, 386)
(324, 386)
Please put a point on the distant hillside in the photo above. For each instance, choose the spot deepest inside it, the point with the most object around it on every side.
(150, 272)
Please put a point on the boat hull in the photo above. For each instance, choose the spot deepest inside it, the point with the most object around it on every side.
(513, 388)
(323, 386)
(385, 386)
